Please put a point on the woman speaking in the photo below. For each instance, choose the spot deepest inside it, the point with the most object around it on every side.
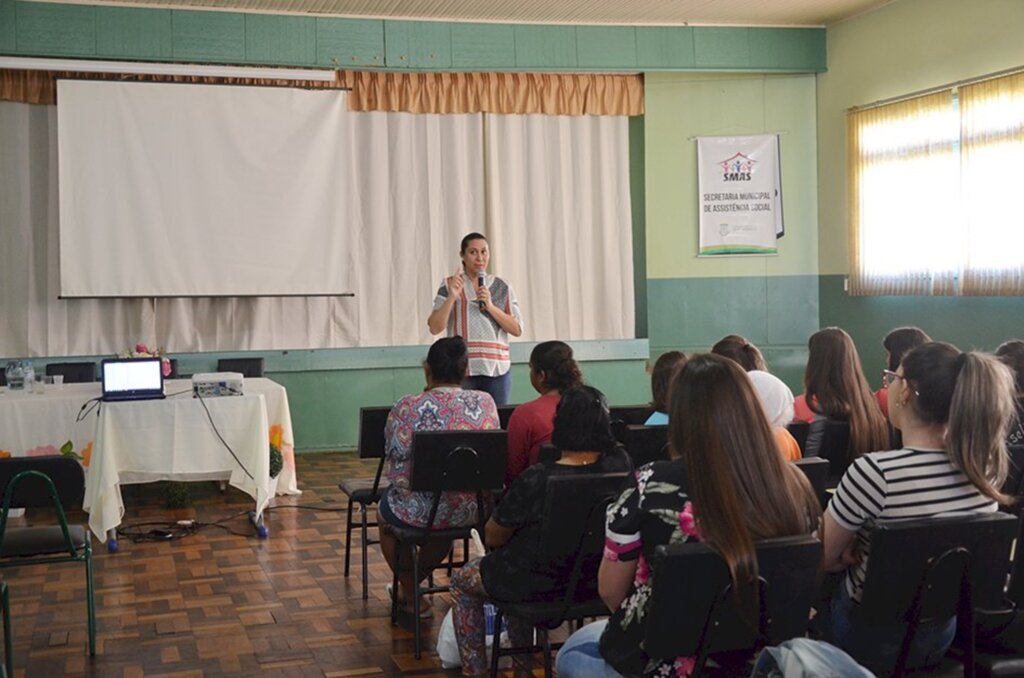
(483, 310)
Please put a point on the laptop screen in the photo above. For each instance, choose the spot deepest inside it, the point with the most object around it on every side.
(132, 378)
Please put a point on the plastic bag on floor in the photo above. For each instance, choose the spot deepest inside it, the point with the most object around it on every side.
(448, 646)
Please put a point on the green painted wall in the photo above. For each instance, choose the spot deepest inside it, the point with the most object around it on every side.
(693, 302)
(50, 29)
(905, 47)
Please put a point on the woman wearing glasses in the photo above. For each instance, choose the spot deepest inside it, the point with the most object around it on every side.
(953, 410)
(897, 344)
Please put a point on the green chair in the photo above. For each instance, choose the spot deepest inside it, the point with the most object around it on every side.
(45, 482)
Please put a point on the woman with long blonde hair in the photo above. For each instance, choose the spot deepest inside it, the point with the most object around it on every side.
(742, 491)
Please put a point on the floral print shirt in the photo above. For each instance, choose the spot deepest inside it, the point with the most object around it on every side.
(652, 510)
(439, 409)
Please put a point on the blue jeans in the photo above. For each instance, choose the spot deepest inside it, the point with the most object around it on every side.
(581, 655)
(877, 646)
(500, 388)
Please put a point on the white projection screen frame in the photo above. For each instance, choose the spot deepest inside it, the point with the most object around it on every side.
(181, 190)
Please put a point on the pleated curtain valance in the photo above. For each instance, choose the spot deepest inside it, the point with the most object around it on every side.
(506, 93)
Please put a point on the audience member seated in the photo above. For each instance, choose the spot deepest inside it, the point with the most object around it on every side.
(777, 401)
(1012, 354)
(742, 351)
(746, 492)
(835, 388)
(665, 369)
(515, 571)
(553, 370)
(953, 410)
(443, 406)
(897, 344)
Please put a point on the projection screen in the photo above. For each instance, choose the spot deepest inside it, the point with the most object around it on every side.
(171, 190)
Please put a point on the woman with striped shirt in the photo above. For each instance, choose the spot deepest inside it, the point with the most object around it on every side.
(953, 410)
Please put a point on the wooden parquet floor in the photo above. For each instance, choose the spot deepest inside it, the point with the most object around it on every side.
(217, 603)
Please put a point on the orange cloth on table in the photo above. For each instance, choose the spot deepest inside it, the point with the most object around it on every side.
(801, 412)
(788, 446)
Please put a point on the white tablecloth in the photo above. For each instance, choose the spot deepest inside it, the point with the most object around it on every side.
(150, 440)
(33, 424)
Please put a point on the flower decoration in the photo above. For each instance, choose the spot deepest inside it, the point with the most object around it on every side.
(142, 351)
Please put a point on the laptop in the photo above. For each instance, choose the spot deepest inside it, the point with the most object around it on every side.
(132, 379)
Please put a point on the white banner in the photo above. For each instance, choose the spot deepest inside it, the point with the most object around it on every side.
(740, 187)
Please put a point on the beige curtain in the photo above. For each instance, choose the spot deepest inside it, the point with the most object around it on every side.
(550, 94)
(992, 155)
(903, 187)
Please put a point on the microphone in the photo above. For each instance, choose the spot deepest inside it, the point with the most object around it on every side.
(480, 280)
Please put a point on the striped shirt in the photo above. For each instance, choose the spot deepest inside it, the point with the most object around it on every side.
(898, 485)
(486, 342)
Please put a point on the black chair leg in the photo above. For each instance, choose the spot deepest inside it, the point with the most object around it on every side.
(366, 547)
(348, 542)
(90, 596)
(416, 599)
(496, 642)
(548, 663)
(394, 584)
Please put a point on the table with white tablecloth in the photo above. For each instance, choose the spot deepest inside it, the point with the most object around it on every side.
(144, 441)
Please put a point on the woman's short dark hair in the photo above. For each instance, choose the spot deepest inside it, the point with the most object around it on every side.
(556, 361)
(1011, 353)
(662, 376)
(448, 360)
(582, 422)
(468, 239)
(737, 348)
(901, 341)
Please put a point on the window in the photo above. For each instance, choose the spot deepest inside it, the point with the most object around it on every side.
(934, 193)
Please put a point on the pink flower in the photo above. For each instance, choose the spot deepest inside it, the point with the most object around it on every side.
(42, 451)
(687, 523)
(684, 666)
(643, 571)
(141, 348)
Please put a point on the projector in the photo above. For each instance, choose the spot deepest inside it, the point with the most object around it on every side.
(214, 384)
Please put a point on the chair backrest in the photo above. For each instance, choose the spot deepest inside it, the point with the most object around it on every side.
(816, 470)
(1014, 485)
(458, 461)
(692, 612)
(902, 551)
(646, 444)
(630, 414)
(835, 446)
(798, 429)
(73, 373)
(31, 492)
(1015, 589)
(248, 367)
(574, 527)
(504, 414)
(371, 431)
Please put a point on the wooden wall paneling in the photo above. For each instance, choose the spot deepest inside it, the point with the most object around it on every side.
(133, 33)
(349, 43)
(480, 47)
(278, 39)
(209, 36)
(417, 44)
(546, 47)
(725, 48)
(606, 47)
(664, 47)
(55, 30)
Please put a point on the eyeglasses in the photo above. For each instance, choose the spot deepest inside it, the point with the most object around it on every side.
(888, 376)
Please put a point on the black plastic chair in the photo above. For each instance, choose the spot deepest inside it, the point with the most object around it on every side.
(572, 535)
(829, 439)
(1014, 484)
(933, 569)
(447, 461)
(249, 368)
(798, 429)
(816, 470)
(645, 443)
(73, 373)
(630, 414)
(504, 414)
(46, 482)
(366, 492)
(692, 613)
